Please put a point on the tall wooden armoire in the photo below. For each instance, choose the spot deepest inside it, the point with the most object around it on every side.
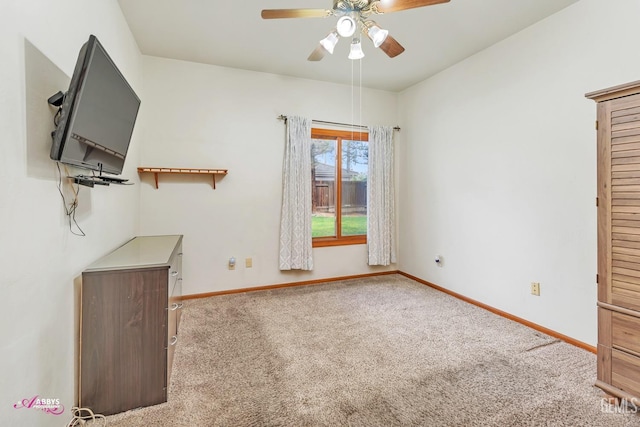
(618, 127)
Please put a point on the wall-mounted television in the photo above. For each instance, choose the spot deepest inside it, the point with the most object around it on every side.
(97, 114)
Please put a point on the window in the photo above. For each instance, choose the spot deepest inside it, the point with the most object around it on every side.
(339, 211)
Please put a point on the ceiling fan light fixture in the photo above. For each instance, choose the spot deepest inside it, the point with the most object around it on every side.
(356, 50)
(330, 42)
(377, 35)
(346, 26)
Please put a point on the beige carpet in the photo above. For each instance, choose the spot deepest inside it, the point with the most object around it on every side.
(384, 351)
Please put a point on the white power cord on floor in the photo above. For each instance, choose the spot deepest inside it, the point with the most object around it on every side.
(79, 417)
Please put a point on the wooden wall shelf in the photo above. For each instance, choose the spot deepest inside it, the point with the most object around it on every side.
(157, 171)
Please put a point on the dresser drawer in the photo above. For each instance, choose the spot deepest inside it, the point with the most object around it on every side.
(625, 332)
(175, 307)
(625, 372)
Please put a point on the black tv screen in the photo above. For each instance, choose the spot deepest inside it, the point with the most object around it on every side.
(97, 115)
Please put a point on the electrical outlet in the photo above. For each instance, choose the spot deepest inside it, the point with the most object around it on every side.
(535, 288)
(248, 263)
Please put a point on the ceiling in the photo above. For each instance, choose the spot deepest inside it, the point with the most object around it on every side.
(232, 34)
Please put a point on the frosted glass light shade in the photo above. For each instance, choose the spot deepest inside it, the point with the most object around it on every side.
(330, 42)
(377, 35)
(356, 50)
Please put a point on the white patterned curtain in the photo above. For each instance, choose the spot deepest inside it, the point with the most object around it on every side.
(295, 222)
(380, 197)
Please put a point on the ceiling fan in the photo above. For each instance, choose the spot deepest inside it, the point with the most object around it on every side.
(353, 18)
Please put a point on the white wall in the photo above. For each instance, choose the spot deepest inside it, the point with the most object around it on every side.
(204, 116)
(497, 176)
(39, 257)
(499, 166)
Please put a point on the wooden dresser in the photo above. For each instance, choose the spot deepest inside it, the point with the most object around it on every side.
(619, 240)
(129, 316)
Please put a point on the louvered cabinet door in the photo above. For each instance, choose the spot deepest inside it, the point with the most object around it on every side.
(619, 214)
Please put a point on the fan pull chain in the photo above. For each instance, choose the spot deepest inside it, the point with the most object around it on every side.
(360, 122)
(352, 102)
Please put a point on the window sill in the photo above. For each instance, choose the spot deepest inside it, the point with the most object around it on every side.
(321, 242)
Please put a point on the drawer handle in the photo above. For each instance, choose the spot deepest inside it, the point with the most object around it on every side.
(180, 254)
(174, 273)
(175, 306)
(174, 340)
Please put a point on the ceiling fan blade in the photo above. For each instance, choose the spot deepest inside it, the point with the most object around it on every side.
(295, 13)
(398, 5)
(317, 54)
(391, 47)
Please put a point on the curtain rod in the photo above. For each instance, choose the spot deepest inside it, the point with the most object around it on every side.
(283, 117)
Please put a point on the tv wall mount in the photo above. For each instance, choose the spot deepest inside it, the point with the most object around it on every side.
(56, 99)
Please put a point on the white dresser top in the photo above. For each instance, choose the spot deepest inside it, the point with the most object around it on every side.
(139, 252)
